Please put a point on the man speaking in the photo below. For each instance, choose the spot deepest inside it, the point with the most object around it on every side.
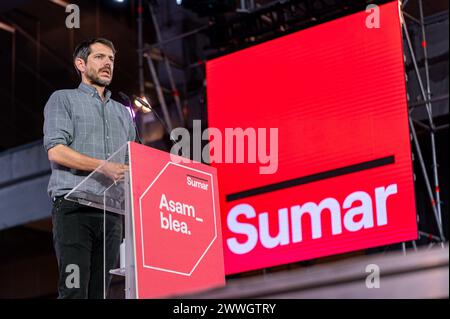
(82, 128)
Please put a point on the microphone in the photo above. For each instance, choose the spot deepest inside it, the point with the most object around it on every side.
(144, 103)
(126, 99)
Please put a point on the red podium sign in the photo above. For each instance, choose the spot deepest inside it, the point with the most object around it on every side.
(177, 232)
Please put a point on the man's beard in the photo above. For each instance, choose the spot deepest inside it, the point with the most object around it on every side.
(95, 79)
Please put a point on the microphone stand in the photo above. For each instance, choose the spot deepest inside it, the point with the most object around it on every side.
(126, 99)
(157, 117)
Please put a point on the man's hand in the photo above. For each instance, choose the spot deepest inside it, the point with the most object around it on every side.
(65, 156)
(115, 171)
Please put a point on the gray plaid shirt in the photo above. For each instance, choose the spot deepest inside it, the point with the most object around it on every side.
(79, 119)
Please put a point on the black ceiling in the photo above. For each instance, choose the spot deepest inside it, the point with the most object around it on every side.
(11, 4)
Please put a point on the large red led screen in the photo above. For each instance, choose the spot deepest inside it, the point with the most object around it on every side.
(342, 179)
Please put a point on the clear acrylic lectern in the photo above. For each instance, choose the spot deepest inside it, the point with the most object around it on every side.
(113, 197)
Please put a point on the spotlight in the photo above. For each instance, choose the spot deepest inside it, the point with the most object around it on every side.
(144, 107)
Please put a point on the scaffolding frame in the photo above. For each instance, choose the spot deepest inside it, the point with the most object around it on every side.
(147, 53)
(425, 90)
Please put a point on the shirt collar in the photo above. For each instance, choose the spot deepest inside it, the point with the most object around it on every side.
(92, 91)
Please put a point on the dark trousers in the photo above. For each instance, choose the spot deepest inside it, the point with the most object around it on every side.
(78, 241)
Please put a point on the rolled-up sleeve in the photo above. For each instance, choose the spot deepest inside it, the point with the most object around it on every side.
(58, 125)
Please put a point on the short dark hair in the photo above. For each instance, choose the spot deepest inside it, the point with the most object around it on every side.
(83, 49)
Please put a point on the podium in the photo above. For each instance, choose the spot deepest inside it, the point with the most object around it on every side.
(165, 212)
